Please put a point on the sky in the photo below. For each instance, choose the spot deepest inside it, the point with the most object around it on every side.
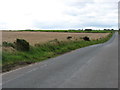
(58, 14)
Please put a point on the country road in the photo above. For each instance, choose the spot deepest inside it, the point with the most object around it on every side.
(95, 66)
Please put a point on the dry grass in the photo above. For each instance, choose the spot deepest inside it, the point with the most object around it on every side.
(42, 37)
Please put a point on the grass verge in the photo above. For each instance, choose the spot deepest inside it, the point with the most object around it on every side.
(11, 60)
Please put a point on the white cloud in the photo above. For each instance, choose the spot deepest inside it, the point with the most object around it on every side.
(58, 14)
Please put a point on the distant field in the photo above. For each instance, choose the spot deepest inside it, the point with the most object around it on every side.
(42, 37)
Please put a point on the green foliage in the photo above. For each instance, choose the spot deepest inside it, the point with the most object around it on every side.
(69, 37)
(71, 31)
(8, 44)
(44, 51)
(86, 38)
(88, 29)
(119, 32)
(22, 45)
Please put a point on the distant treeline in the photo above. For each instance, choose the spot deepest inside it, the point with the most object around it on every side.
(72, 31)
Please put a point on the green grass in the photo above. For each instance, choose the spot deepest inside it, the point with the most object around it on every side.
(42, 52)
(119, 32)
(70, 31)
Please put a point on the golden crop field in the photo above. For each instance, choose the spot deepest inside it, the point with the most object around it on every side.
(42, 37)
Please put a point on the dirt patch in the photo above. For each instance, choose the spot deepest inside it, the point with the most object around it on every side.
(8, 49)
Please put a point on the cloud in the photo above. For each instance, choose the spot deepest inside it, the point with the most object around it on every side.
(58, 14)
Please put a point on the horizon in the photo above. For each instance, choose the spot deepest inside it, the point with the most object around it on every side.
(60, 29)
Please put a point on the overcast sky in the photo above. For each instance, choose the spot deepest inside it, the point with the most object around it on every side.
(58, 14)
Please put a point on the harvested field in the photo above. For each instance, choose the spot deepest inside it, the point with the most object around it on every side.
(42, 37)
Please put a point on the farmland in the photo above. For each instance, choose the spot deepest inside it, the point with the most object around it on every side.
(41, 47)
(43, 37)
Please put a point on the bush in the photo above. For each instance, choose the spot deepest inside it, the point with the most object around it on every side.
(8, 44)
(86, 38)
(88, 29)
(69, 37)
(22, 45)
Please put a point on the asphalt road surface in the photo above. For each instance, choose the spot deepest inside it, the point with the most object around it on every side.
(95, 66)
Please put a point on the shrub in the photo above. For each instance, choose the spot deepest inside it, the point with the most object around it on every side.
(88, 29)
(86, 38)
(56, 41)
(69, 37)
(8, 44)
(22, 45)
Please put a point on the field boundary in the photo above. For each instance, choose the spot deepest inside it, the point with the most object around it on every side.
(71, 31)
(42, 52)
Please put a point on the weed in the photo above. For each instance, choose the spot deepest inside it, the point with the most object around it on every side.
(8, 44)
